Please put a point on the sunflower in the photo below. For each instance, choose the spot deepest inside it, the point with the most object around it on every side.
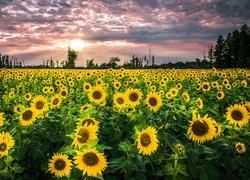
(87, 86)
(40, 103)
(11, 95)
(201, 129)
(220, 95)
(60, 164)
(91, 162)
(2, 119)
(45, 89)
(240, 147)
(6, 143)
(199, 103)
(179, 86)
(186, 96)
(174, 91)
(225, 82)
(244, 83)
(247, 106)
(169, 95)
(198, 87)
(153, 101)
(85, 107)
(28, 96)
(219, 88)
(217, 127)
(97, 95)
(120, 100)
(64, 93)
(205, 86)
(147, 141)
(134, 96)
(89, 121)
(55, 101)
(51, 89)
(215, 84)
(27, 117)
(180, 148)
(228, 86)
(99, 82)
(83, 134)
(117, 84)
(237, 115)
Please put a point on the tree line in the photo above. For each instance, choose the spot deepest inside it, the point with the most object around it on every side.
(234, 50)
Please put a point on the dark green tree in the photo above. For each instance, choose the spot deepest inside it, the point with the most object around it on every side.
(211, 55)
(71, 58)
(244, 47)
(90, 64)
(113, 62)
(219, 52)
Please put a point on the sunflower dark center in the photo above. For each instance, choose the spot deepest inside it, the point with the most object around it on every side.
(3, 147)
(133, 97)
(153, 101)
(173, 92)
(199, 103)
(85, 107)
(87, 87)
(39, 105)
(185, 96)
(55, 101)
(27, 115)
(239, 147)
(205, 86)
(60, 164)
(219, 94)
(97, 95)
(27, 96)
(84, 135)
(63, 93)
(145, 139)
(90, 159)
(200, 128)
(88, 122)
(120, 100)
(237, 115)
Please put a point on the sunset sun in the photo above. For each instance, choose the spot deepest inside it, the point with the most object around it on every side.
(77, 44)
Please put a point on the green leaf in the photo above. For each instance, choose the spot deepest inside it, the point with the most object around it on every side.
(67, 150)
(181, 168)
(125, 146)
(17, 168)
(8, 160)
(202, 174)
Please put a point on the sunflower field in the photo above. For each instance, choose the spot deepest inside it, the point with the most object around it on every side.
(124, 124)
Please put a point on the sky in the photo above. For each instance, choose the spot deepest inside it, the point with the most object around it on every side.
(176, 30)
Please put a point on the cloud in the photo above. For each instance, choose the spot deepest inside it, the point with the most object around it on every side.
(176, 25)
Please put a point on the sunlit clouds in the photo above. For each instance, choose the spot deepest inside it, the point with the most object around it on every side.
(36, 30)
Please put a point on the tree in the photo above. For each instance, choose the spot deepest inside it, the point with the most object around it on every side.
(71, 58)
(90, 64)
(113, 62)
(219, 52)
(244, 47)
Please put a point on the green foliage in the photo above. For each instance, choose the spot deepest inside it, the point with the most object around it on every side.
(234, 51)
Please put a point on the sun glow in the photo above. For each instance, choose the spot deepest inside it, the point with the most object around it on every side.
(77, 44)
